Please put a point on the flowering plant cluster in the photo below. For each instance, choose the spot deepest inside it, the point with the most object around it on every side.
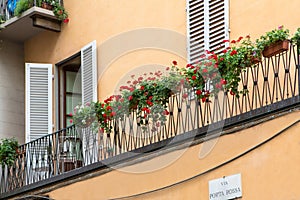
(84, 115)
(57, 8)
(296, 39)
(147, 96)
(222, 71)
(60, 12)
(271, 37)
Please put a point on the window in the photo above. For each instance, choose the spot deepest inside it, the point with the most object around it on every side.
(70, 91)
(76, 83)
(207, 27)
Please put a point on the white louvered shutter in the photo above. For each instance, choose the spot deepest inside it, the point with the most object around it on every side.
(38, 100)
(89, 72)
(207, 27)
(89, 93)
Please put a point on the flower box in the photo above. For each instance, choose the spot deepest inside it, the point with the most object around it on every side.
(47, 6)
(276, 48)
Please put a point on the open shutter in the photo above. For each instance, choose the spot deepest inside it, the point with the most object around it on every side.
(38, 100)
(89, 93)
(89, 72)
(207, 27)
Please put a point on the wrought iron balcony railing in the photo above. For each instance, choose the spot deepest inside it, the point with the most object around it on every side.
(273, 84)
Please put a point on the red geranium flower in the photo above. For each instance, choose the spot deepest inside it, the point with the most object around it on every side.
(112, 114)
(204, 70)
(166, 112)
(233, 52)
(194, 77)
(198, 92)
(223, 82)
(174, 62)
(66, 20)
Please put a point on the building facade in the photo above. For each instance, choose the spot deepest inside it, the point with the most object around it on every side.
(45, 74)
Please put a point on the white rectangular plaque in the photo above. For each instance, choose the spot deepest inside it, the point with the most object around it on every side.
(228, 187)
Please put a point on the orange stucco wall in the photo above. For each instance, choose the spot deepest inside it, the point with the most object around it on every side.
(107, 22)
(270, 171)
(255, 17)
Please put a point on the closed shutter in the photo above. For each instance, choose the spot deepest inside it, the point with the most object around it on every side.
(207, 27)
(38, 100)
(89, 72)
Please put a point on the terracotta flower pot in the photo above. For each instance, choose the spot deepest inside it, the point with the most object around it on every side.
(47, 6)
(276, 48)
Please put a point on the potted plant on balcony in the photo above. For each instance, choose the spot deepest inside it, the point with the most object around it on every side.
(21, 6)
(274, 42)
(46, 4)
(146, 96)
(296, 39)
(8, 151)
(216, 72)
(60, 12)
(84, 115)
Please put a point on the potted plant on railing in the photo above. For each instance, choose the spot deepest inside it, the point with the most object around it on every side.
(60, 12)
(8, 151)
(274, 42)
(84, 115)
(57, 8)
(216, 72)
(146, 96)
(296, 39)
(46, 4)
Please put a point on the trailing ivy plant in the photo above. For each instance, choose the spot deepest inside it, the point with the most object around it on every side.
(8, 151)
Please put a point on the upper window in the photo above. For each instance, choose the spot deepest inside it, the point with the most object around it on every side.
(207, 27)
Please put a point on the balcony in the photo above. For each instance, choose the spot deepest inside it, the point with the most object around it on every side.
(28, 24)
(273, 86)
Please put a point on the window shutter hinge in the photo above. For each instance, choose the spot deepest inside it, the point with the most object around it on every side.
(52, 77)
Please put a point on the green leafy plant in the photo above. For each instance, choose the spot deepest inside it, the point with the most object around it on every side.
(8, 151)
(296, 39)
(23, 5)
(2, 19)
(84, 115)
(60, 12)
(271, 37)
